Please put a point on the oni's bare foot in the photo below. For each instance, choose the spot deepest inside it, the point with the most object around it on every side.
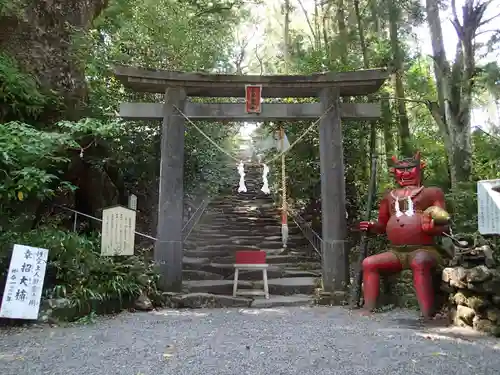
(366, 312)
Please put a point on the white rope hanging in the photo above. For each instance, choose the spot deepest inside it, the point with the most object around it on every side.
(241, 171)
(265, 187)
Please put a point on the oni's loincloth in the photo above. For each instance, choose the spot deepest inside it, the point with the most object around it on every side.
(405, 254)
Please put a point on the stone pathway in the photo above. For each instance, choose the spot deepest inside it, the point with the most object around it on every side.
(248, 221)
(286, 340)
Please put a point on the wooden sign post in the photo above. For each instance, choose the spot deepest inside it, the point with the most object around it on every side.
(253, 98)
(118, 231)
(23, 288)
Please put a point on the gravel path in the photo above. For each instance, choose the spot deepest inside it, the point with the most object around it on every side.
(280, 341)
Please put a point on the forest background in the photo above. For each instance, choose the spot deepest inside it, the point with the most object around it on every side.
(61, 142)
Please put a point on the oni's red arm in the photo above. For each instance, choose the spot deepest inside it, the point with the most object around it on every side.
(384, 214)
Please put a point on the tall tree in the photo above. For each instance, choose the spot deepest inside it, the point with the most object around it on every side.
(42, 36)
(397, 77)
(455, 82)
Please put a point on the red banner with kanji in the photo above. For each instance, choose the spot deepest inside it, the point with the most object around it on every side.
(253, 96)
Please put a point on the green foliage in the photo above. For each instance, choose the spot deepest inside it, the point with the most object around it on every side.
(77, 272)
(20, 94)
(462, 203)
(35, 158)
(30, 160)
(10, 8)
(487, 155)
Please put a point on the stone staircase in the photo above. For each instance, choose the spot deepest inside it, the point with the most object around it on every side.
(248, 221)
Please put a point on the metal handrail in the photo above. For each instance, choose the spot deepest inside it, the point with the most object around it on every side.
(194, 218)
(310, 234)
(97, 219)
(189, 224)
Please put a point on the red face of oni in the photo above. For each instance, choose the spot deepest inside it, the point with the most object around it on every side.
(408, 172)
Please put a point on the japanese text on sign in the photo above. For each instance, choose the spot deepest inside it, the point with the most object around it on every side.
(23, 288)
(488, 202)
(118, 231)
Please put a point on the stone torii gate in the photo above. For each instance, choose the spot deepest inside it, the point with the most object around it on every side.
(177, 86)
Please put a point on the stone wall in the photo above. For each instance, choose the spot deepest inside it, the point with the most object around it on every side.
(474, 293)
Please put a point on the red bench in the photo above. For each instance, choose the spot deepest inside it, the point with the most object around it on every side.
(251, 260)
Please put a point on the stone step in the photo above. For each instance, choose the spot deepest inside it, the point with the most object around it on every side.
(208, 300)
(247, 242)
(281, 286)
(234, 198)
(243, 239)
(290, 285)
(217, 252)
(225, 270)
(228, 253)
(206, 254)
(210, 232)
(244, 221)
(234, 216)
(282, 301)
(239, 218)
(214, 286)
(292, 229)
(194, 240)
(273, 272)
(190, 263)
(200, 242)
(227, 247)
(254, 201)
(240, 210)
(270, 259)
(275, 244)
(238, 229)
(200, 275)
(242, 245)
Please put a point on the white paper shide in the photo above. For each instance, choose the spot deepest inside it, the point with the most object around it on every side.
(241, 170)
(488, 210)
(23, 289)
(118, 231)
(265, 186)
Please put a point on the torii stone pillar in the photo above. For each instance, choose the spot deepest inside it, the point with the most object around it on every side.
(169, 245)
(334, 253)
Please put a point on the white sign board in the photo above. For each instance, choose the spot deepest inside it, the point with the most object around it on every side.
(488, 210)
(118, 231)
(23, 289)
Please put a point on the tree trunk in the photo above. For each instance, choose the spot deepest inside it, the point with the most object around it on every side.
(388, 130)
(286, 36)
(42, 38)
(403, 122)
(366, 64)
(343, 35)
(452, 112)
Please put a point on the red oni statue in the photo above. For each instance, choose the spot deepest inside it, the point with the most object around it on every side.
(411, 216)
